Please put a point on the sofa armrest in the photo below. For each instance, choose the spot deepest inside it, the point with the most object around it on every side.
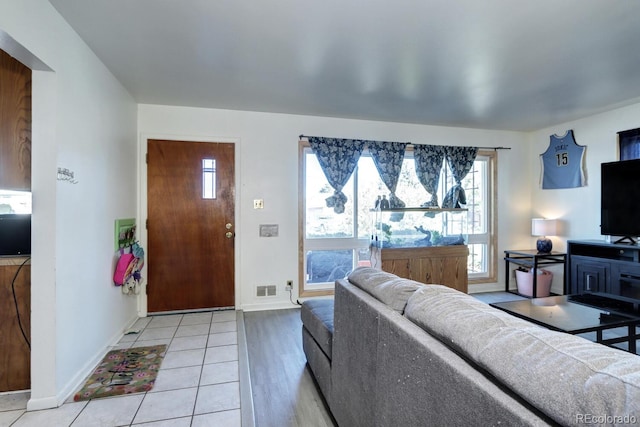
(354, 364)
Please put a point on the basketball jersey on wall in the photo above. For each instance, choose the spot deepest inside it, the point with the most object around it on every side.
(562, 163)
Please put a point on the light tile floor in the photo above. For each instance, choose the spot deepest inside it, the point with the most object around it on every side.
(198, 384)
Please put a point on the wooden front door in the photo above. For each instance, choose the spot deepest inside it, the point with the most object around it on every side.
(190, 227)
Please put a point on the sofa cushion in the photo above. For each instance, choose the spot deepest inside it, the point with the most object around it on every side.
(385, 287)
(439, 309)
(318, 362)
(367, 278)
(317, 318)
(565, 376)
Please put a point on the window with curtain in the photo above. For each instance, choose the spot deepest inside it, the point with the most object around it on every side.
(629, 144)
(332, 244)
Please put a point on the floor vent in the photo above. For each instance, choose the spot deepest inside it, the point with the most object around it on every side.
(266, 291)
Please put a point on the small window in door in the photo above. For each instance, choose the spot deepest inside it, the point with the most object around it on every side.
(208, 178)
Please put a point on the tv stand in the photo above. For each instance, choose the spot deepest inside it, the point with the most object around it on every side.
(596, 266)
(624, 239)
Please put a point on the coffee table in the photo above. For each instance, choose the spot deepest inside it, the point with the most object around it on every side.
(561, 314)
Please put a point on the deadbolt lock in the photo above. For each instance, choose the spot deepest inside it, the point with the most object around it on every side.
(228, 226)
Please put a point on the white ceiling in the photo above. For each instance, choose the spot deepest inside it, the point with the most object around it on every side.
(494, 64)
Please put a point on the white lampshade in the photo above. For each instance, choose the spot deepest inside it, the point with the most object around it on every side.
(544, 227)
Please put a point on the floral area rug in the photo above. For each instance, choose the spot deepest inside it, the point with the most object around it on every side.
(131, 370)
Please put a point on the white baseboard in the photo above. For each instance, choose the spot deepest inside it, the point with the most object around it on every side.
(486, 287)
(42, 403)
(76, 382)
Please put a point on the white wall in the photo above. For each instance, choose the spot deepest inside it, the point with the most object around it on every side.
(85, 121)
(267, 156)
(579, 208)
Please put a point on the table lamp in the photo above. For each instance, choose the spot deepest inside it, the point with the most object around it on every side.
(544, 227)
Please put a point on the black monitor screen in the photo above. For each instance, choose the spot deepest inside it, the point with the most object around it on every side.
(15, 234)
(620, 198)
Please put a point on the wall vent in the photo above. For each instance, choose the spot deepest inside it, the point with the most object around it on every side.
(266, 291)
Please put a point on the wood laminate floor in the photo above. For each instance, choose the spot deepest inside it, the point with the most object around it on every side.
(284, 391)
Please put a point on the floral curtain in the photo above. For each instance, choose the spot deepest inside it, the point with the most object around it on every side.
(428, 161)
(338, 159)
(388, 158)
(460, 161)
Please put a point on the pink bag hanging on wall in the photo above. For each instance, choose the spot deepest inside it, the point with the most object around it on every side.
(124, 268)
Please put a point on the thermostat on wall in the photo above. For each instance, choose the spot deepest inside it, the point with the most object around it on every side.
(268, 230)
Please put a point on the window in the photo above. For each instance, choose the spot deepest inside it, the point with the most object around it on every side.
(478, 186)
(629, 144)
(208, 178)
(15, 202)
(333, 244)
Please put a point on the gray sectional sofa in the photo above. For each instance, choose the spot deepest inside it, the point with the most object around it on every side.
(388, 351)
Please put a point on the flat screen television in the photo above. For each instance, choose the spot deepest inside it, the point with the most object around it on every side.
(620, 200)
(15, 234)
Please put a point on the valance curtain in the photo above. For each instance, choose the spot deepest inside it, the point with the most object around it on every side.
(460, 161)
(388, 158)
(428, 162)
(338, 159)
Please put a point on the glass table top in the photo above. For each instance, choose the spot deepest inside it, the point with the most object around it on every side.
(558, 312)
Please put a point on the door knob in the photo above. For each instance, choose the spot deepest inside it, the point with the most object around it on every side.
(229, 234)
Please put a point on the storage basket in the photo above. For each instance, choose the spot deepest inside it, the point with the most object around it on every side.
(524, 280)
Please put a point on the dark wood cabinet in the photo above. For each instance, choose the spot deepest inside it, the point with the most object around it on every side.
(589, 275)
(15, 124)
(627, 281)
(15, 174)
(15, 355)
(599, 266)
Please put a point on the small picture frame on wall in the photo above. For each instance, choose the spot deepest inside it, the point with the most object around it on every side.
(629, 144)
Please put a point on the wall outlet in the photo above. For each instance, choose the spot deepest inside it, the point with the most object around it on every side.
(289, 285)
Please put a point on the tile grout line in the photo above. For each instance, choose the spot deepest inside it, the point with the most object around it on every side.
(146, 393)
(204, 356)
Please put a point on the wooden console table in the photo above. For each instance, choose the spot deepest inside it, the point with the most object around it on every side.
(442, 265)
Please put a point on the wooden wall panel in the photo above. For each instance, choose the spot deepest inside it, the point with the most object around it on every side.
(15, 124)
(15, 355)
(15, 174)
